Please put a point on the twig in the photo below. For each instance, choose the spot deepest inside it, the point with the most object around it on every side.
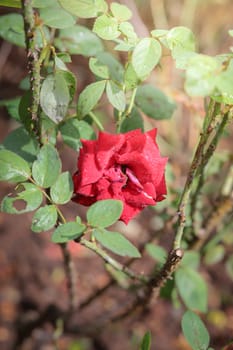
(108, 259)
(33, 64)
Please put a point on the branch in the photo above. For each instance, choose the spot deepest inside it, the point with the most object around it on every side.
(33, 64)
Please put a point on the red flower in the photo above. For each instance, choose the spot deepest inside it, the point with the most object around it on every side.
(121, 166)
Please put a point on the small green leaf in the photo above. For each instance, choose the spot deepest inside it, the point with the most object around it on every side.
(229, 266)
(68, 232)
(224, 84)
(45, 3)
(132, 121)
(12, 167)
(46, 168)
(115, 68)
(192, 288)
(29, 198)
(195, 331)
(71, 82)
(130, 78)
(154, 103)
(56, 17)
(10, 3)
(104, 213)
(84, 8)
(98, 68)
(12, 107)
(89, 97)
(44, 218)
(106, 27)
(55, 97)
(191, 259)
(21, 143)
(117, 243)
(49, 130)
(73, 130)
(116, 95)
(215, 254)
(61, 191)
(156, 252)
(201, 75)
(120, 12)
(146, 56)
(181, 37)
(146, 342)
(127, 30)
(12, 29)
(78, 40)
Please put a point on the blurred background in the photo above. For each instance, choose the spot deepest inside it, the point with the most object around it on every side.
(31, 273)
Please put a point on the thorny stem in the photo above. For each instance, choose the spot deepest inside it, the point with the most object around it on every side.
(197, 159)
(33, 64)
(109, 260)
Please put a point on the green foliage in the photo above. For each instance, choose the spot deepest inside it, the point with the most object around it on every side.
(13, 168)
(61, 191)
(154, 103)
(106, 27)
(146, 56)
(156, 252)
(195, 331)
(56, 17)
(146, 342)
(89, 97)
(132, 121)
(115, 95)
(44, 218)
(104, 213)
(29, 198)
(84, 9)
(11, 29)
(116, 242)
(46, 168)
(67, 232)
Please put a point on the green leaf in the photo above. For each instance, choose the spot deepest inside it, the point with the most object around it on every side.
(29, 199)
(117, 243)
(154, 103)
(44, 218)
(12, 107)
(224, 84)
(45, 3)
(12, 29)
(73, 130)
(98, 68)
(132, 121)
(56, 17)
(61, 191)
(78, 40)
(215, 254)
(156, 252)
(89, 97)
(229, 266)
(116, 70)
(10, 3)
(127, 30)
(68, 232)
(21, 143)
(120, 12)
(130, 78)
(192, 288)
(106, 27)
(48, 130)
(146, 342)
(71, 82)
(24, 110)
(181, 37)
(146, 56)
(84, 8)
(191, 259)
(104, 213)
(12, 167)
(201, 75)
(115, 95)
(46, 168)
(195, 331)
(55, 97)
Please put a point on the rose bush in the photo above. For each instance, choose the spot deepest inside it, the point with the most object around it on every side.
(126, 166)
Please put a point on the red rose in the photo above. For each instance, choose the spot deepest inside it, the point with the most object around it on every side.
(121, 166)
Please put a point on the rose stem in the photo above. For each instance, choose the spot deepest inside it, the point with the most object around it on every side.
(96, 120)
(109, 260)
(34, 66)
